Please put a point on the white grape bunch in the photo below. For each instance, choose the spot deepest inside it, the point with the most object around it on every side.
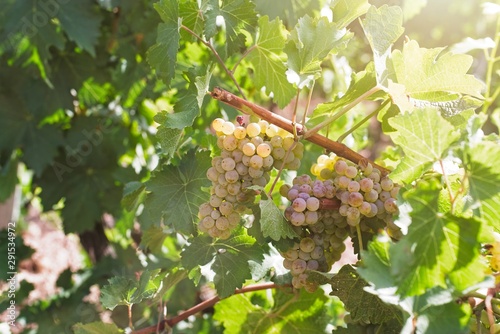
(248, 154)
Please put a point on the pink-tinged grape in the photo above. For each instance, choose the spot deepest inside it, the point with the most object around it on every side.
(288, 213)
(390, 205)
(222, 223)
(340, 167)
(343, 196)
(304, 196)
(386, 184)
(319, 191)
(232, 176)
(240, 132)
(225, 154)
(255, 173)
(299, 204)
(253, 129)
(355, 199)
(307, 244)
(226, 208)
(212, 174)
(293, 194)
(234, 188)
(205, 210)
(305, 188)
(312, 204)
(374, 210)
(312, 265)
(228, 164)
(343, 209)
(298, 266)
(220, 191)
(230, 143)
(380, 206)
(248, 149)
(353, 216)
(377, 188)
(297, 218)
(304, 255)
(311, 217)
(207, 222)
(215, 214)
(215, 201)
(366, 184)
(256, 162)
(351, 172)
(217, 124)
(227, 128)
(287, 264)
(343, 182)
(384, 196)
(353, 186)
(264, 150)
(365, 209)
(371, 196)
(317, 253)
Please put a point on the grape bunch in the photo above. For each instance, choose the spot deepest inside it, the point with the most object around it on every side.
(248, 154)
(345, 197)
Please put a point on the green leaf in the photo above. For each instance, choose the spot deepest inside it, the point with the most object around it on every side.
(230, 257)
(436, 245)
(430, 75)
(382, 26)
(163, 55)
(345, 11)
(81, 23)
(96, 327)
(362, 306)
(273, 223)
(239, 15)
(169, 138)
(309, 44)
(8, 179)
(153, 239)
(450, 318)
(483, 173)
(175, 193)
(424, 137)
(294, 313)
(133, 192)
(267, 60)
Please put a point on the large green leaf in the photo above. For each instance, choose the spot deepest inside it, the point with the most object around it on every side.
(424, 137)
(267, 60)
(175, 193)
(309, 44)
(436, 245)
(230, 258)
(273, 223)
(239, 15)
(163, 55)
(483, 171)
(80, 22)
(382, 26)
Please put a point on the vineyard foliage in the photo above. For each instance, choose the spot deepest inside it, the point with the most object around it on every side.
(106, 111)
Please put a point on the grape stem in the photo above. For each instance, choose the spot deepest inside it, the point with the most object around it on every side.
(168, 323)
(250, 108)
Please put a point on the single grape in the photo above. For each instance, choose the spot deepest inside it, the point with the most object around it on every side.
(208, 222)
(248, 149)
(232, 176)
(253, 129)
(351, 172)
(386, 184)
(217, 124)
(340, 167)
(355, 199)
(307, 244)
(228, 164)
(264, 150)
(353, 186)
(255, 173)
(227, 128)
(256, 162)
(240, 132)
(220, 191)
(366, 184)
(226, 208)
(215, 214)
(230, 143)
(311, 217)
(312, 265)
(222, 223)
(299, 204)
(297, 218)
(204, 210)
(298, 266)
(304, 255)
(312, 204)
(215, 201)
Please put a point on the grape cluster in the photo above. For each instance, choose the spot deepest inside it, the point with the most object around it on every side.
(248, 154)
(358, 196)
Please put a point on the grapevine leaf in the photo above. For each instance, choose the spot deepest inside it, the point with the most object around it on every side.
(349, 287)
(272, 222)
(382, 26)
(8, 179)
(267, 60)
(345, 11)
(153, 239)
(309, 43)
(169, 138)
(238, 15)
(483, 169)
(233, 312)
(132, 195)
(80, 23)
(428, 75)
(424, 136)
(175, 193)
(288, 10)
(390, 327)
(230, 258)
(96, 327)
(450, 318)
(118, 291)
(192, 15)
(436, 245)
(162, 56)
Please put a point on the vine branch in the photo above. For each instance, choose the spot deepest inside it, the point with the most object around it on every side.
(200, 307)
(250, 108)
